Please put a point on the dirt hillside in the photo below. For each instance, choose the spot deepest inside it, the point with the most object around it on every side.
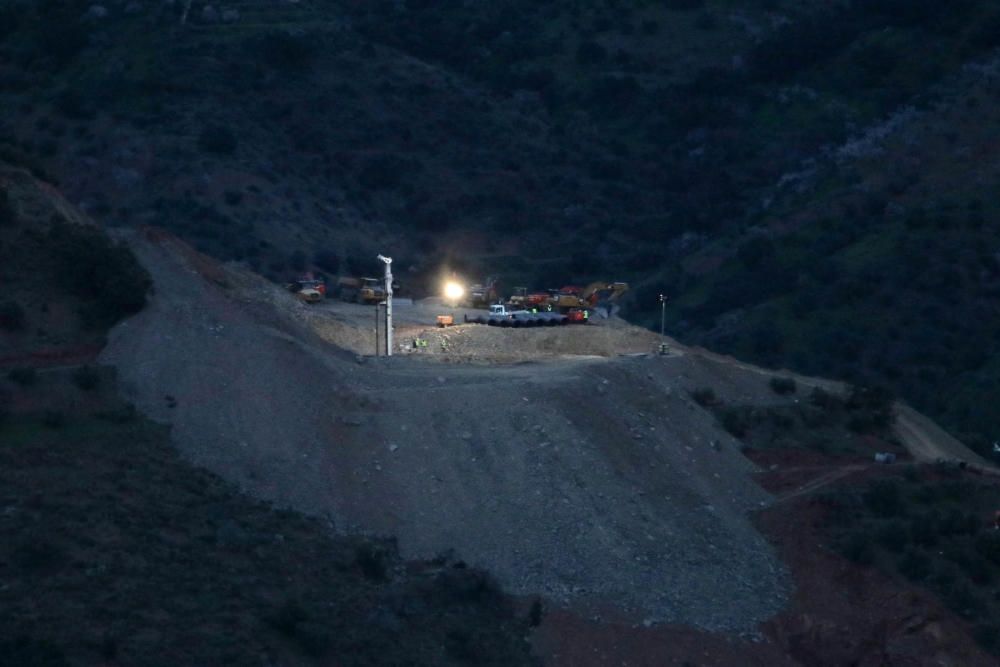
(588, 478)
(585, 479)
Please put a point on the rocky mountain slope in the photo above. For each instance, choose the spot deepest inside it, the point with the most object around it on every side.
(668, 144)
(635, 502)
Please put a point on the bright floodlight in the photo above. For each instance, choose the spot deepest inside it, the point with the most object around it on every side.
(453, 291)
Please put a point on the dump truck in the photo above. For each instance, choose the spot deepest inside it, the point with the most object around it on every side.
(361, 290)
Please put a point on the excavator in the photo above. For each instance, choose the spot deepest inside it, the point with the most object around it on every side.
(482, 295)
(600, 297)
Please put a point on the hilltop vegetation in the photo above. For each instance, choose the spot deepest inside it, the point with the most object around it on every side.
(688, 147)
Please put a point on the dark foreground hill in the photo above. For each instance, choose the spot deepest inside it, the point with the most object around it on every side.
(113, 550)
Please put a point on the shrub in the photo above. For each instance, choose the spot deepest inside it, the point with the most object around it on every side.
(38, 555)
(24, 376)
(535, 614)
(31, 652)
(962, 600)
(7, 214)
(783, 386)
(590, 53)
(105, 275)
(858, 548)
(294, 622)
(286, 51)
(327, 260)
(297, 260)
(894, 536)
(382, 172)
(988, 546)
(12, 316)
(872, 409)
(122, 415)
(684, 5)
(704, 397)
(914, 565)
(217, 139)
(923, 530)
(86, 378)
(988, 636)
(884, 499)
(287, 617)
(371, 560)
(54, 419)
(461, 584)
(736, 423)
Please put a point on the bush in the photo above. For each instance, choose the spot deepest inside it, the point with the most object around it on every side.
(684, 5)
(29, 652)
(914, 565)
(24, 376)
(382, 172)
(821, 398)
(736, 423)
(705, 397)
(894, 536)
(54, 419)
(988, 546)
(923, 530)
(327, 260)
(122, 415)
(872, 409)
(371, 560)
(962, 600)
(988, 636)
(783, 386)
(286, 51)
(217, 139)
(294, 622)
(12, 316)
(38, 556)
(105, 275)
(590, 53)
(7, 214)
(884, 499)
(86, 378)
(858, 548)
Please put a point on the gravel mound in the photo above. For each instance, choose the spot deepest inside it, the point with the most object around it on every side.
(590, 480)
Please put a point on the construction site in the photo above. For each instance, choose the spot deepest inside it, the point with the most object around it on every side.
(579, 464)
